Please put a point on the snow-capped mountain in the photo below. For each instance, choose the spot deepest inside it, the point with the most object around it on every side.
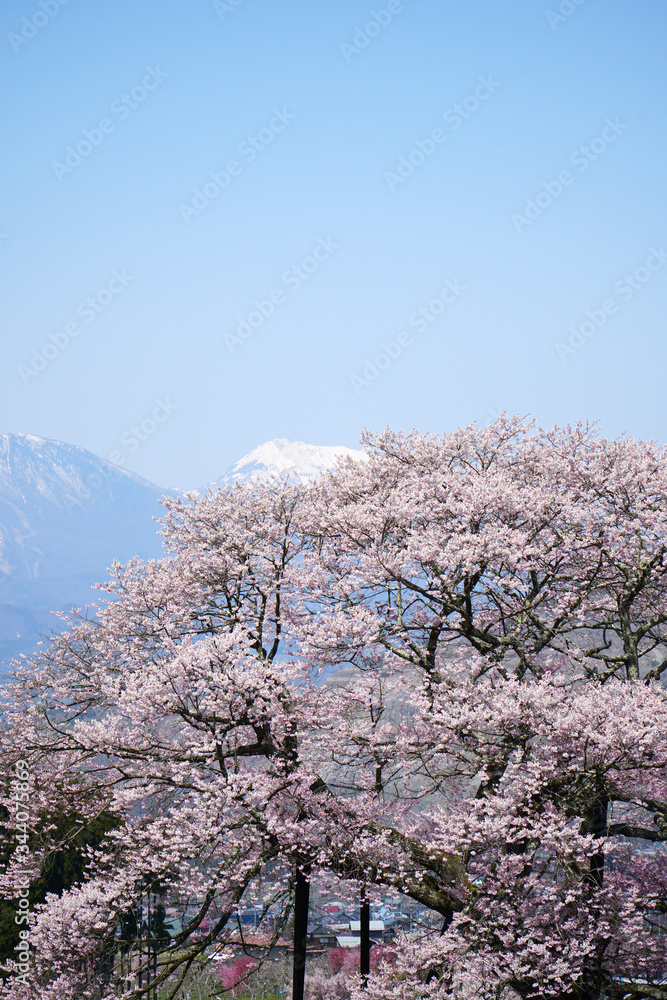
(65, 514)
(295, 459)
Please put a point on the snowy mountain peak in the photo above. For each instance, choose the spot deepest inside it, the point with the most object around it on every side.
(296, 459)
(60, 473)
(64, 515)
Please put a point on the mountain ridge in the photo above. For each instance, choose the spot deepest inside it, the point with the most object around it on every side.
(66, 514)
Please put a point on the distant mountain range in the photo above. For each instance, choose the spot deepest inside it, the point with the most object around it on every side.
(66, 514)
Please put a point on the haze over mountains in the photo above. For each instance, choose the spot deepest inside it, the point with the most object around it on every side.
(65, 514)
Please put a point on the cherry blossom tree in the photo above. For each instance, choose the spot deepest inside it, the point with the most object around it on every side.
(170, 710)
(437, 671)
(538, 552)
(511, 540)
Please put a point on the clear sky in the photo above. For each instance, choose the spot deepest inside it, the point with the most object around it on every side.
(233, 221)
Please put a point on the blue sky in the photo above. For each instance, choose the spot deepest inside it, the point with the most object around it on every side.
(425, 212)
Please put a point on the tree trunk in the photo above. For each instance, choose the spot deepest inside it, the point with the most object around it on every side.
(364, 931)
(592, 979)
(301, 893)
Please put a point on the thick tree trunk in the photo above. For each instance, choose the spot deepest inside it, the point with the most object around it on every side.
(598, 827)
(364, 930)
(301, 894)
(592, 979)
